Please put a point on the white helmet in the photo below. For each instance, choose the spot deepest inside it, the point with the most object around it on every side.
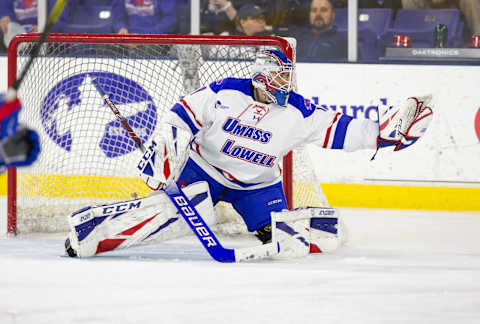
(272, 73)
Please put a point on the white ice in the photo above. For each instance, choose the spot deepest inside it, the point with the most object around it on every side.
(397, 267)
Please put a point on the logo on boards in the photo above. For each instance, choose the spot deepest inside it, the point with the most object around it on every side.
(74, 104)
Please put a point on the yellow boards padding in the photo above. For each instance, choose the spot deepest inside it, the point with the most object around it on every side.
(402, 197)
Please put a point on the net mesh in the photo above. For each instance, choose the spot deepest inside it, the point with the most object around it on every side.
(87, 158)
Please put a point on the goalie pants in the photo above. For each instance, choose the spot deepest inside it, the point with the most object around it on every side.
(254, 206)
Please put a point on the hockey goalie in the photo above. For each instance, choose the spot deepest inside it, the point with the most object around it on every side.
(239, 130)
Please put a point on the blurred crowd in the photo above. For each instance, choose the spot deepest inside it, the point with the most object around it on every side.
(320, 26)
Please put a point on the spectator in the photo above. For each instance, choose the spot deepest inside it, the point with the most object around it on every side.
(251, 21)
(287, 15)
(218, 16)
(85, 16)
(144, 16)
(469, 8)
(17, 16)
(282, 13)
(320, 41)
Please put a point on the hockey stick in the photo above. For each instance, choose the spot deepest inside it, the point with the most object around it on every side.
(52, 19)
(191, 216)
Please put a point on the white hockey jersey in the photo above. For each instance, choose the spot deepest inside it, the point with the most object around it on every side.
(241, 142)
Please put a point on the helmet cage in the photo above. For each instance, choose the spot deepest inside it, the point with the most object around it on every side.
(273, 74)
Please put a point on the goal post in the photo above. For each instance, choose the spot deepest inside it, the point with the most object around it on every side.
(86, 157)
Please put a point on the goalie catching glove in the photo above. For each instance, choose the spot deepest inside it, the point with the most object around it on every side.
(401, 127)
(18, 146)
(164, 158)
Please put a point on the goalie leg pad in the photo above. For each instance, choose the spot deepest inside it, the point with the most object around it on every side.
(327, 230)
(307, 230)
(290, 231)
(109, 227)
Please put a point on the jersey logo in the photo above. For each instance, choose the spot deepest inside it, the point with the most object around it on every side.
(140, 7)
(248, 155)
(219, 105)
(25, 9)
(76, 99)
(253, 114)
(309, 105)
(234, 127)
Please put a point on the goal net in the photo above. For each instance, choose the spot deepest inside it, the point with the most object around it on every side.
(87, 158)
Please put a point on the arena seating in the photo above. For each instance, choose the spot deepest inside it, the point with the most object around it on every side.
(376, 28)
(420, 24)
(372, 24)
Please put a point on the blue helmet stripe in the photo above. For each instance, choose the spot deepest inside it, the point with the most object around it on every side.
(280, 56)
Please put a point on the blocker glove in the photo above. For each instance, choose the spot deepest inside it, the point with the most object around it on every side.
(163, 159)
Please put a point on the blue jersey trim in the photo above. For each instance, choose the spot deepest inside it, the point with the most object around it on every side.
(339, 138)
(298, 102)
(180, 111)
(242, 85)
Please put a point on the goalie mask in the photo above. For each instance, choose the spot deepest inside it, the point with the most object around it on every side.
(272, 73)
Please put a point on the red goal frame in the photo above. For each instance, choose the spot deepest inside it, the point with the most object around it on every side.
(281, 43)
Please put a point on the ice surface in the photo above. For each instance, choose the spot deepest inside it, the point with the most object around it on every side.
(397, 267)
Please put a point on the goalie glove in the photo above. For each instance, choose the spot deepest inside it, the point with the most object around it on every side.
(18, 146)
(401, 127)
(163, 159)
